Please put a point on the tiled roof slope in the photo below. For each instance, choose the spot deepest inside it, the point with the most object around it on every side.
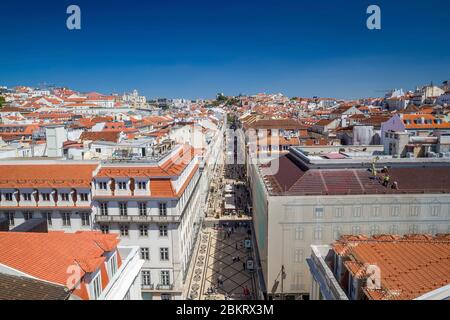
(290, 179)
(47, 256)
(22, 288)
(410, 266)
(51, 176)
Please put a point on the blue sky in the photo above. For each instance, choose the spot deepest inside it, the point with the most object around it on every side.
(197, 48)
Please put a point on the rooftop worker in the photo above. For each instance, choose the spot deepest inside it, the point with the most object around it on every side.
(386, 180)
(395, 185)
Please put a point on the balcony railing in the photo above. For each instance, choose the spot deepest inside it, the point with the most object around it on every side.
(137, 219)
(148, 287)
(158, 287)
(164, 287)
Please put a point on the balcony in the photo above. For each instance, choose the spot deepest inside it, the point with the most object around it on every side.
(148, 287)
(163, 287)
(137, 219)
(158, 287)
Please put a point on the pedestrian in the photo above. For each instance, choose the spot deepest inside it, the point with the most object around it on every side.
(243, 266)
(237, 246)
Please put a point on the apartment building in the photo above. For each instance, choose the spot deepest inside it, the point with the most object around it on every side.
(86, 265)
(154, 206)
(309, 198)
(57, 191)
(382, 267)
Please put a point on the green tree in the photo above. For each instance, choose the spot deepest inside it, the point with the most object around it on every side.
(2, 101)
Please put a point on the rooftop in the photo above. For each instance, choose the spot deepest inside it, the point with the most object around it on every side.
(410, 266)
(22, 288)
(291, 176)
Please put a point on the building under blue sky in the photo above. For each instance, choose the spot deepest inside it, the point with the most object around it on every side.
(198, 48)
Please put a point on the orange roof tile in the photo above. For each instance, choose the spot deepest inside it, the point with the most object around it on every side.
(410, 266)
(49, 256)
(50, 176)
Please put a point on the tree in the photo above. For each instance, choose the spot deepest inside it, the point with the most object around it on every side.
(2, 101)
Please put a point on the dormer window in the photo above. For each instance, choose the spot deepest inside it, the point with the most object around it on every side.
(122, 185)
(103, 186)
(8, 196)
(142, 185)
(64, 196)
(26, 196)
(46, 196)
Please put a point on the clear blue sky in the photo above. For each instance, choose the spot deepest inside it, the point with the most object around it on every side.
(198, 48)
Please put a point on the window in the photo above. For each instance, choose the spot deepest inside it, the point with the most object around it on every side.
(48, 216)
(64, 196)
(414, 211)
(356, 230)
(375, 229)
(163, 231)
(435, 211)
(85, 219)
(122, 185)
(163, 209)
(357, 212)
(142, 185)
(10, 217)
(143, 230)
(123, 209)
(98, 150)
(164, 254)
(104, 209)
(84, 197)
(104, 229)
(145, 254)
(8, 197)
(393, 229)
(113, 264)
(432, 229)
(298, 256)
(142, 209)
(46, 196)
(124, 230)
(318, 233)
(165, 278)
(27, 197)
(103, 186)
(318, 212)
(376, 211)
(338, 212)
(66, 219)
(299, 233)
(395, 211)
(97, 286)
(146, 278)
(27, 216)
(413, 229)
(337, 232)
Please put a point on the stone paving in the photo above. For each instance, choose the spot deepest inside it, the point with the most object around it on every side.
(214, 261)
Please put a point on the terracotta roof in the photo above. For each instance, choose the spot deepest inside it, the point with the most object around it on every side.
(46, 176)
(22, 288)
(290, 179)
(111, 136)
(289, 124)
(409, 267)
(47, 256)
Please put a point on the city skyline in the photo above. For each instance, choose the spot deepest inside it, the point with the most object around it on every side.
(198, 49)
